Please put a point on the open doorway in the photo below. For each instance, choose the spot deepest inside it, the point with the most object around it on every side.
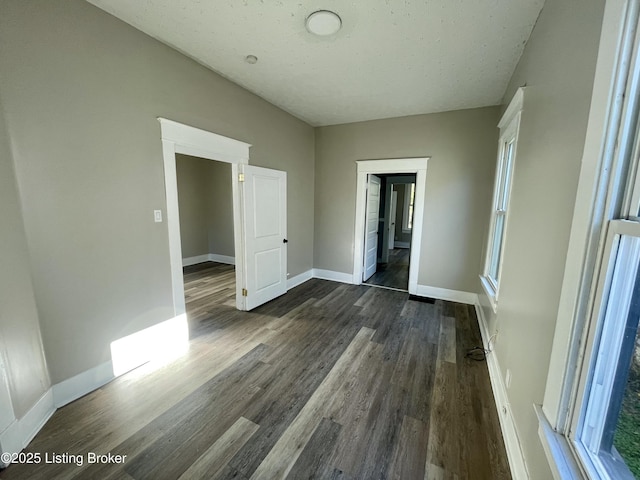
(395, 208)
(368, 181)
(259, 215)
(205, 203)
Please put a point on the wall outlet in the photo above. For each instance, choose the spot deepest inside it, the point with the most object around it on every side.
(157, 216)
(507, 379)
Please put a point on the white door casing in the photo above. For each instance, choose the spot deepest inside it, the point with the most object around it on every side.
(180, 138)
(264, 225)
(392, 219)
(386, 166)
(371, 227)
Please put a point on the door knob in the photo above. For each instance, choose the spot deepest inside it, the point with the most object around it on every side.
(284, 240)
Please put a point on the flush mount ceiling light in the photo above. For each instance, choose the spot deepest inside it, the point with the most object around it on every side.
(323, 23)
(251, 59)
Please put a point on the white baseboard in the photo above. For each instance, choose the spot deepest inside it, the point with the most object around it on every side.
(401, 245)
(208, 257)
(421, 291)
(299, 279)
(75, 387)
(18, 435)
(187, 262)
(10, 440)
(446, 294)
(515, 456)
(214, 257)
(334, 276)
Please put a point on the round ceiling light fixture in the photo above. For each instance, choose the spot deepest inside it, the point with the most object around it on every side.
(251, 59)
(323, 23)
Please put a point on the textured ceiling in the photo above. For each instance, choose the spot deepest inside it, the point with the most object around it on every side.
(392, 57)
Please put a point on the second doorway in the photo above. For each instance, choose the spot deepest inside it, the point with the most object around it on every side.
(390, 202)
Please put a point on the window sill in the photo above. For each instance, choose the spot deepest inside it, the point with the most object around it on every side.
(556, 447)
(491, 293)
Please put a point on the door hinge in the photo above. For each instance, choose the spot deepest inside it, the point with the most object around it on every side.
(244, 292)
(241, 177)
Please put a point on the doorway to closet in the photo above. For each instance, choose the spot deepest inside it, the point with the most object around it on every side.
(205, 204)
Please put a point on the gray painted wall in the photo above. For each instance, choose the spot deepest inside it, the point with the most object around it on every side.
(220, 209)
(192, 202)
(20, 342)
(81, 102)
(463, 146)
(206, 207)
(558, 68)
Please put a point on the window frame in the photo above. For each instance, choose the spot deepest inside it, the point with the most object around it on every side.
(509, 126)
(590, 414)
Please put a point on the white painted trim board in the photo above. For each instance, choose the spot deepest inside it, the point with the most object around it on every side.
(180, 138)
(86, 382)
(208, 257)
(446, 294)
(188, 261)
(18, 435)
(421, 290)
(395, 165)
(517, 462)
(299, 279)
(333, 276)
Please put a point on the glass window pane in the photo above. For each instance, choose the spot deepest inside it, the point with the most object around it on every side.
(496, 248)
(610, 429)
(508, 167)
(626, 427)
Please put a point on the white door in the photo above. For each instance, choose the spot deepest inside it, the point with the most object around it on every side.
(264, 223)
(392, 219)
(371, 227)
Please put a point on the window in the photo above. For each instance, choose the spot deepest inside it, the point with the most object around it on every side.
(407, 212)
(509, 126)
(590, 418)
(608, 422)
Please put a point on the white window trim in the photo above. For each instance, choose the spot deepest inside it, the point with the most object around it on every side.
(509, 126)
(593, 208)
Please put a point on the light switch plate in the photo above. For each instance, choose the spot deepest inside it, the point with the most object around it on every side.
(157, 216)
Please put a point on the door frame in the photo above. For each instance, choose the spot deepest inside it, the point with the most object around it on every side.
(181, 138)
(387, 166)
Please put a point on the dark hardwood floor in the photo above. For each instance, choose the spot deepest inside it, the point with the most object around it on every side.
(395, 273)
(329, 381)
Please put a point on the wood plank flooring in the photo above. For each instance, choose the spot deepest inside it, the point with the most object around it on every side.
(395, 273)
(329, 381)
